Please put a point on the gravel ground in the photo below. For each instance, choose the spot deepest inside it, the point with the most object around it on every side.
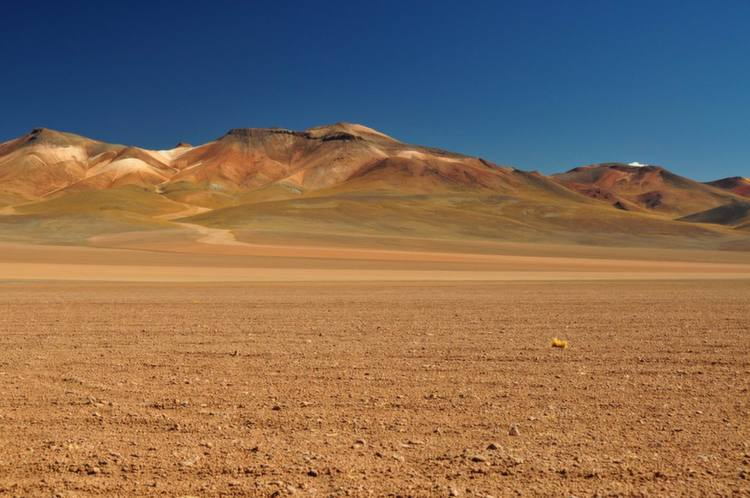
(420, 389)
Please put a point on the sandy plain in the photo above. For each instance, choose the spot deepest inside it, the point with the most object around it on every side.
(273, 371)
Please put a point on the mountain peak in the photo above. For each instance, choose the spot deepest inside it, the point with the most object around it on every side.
(248, 133)
(37, 133)
(626, 167)
(49, 136)
(354, 129)
(339, 131)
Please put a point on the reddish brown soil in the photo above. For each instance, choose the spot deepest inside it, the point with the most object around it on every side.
(357, 389)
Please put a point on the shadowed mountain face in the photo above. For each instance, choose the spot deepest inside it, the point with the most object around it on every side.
(736, 214)
(343, 180)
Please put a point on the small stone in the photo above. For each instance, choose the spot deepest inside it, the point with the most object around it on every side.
(190, 462)
(453, 492)
(312, 473)
(360, 442)
(514, 431)
(276, 408)
(477, 458)
(94, 470)
(590, 473)
(493, 446)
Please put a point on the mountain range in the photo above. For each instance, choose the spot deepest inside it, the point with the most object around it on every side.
(347, 183)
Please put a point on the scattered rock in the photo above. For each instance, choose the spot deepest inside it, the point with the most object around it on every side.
(452, 491)
(189, 462)
(493, 446)
(312, 473)
(590, 473)
(514, 431)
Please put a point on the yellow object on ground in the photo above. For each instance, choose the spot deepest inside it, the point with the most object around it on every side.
(559, 343)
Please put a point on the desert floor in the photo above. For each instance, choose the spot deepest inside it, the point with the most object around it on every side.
(309, 374)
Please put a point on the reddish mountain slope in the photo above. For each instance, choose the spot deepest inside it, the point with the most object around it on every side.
(735, 184)
(650, 188)
(343, 180)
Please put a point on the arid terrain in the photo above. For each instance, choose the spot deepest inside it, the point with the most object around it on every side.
(332, 312)
(181, 367)
(348, 185)
(362, 388)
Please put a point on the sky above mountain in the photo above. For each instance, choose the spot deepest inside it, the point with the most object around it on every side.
(543, 85)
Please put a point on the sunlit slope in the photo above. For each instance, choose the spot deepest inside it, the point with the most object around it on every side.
(46, 162)
(346, 181)
(251, 159)
(648, 188)
(75, 217)
(457, 216)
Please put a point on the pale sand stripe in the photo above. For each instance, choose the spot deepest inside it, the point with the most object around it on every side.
(132, 273)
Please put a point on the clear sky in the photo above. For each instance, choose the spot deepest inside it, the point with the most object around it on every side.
(545, 85)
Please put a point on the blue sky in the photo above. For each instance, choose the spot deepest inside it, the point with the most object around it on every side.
(545, 85)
